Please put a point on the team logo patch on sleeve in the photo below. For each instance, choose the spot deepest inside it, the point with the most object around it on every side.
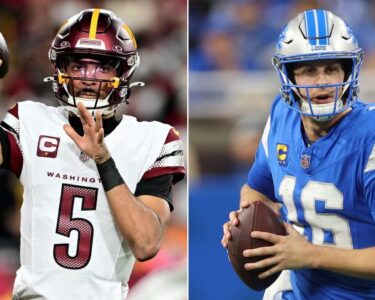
(282, 154)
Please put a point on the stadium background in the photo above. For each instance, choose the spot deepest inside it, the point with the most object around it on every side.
(29, 27)
(231, 86)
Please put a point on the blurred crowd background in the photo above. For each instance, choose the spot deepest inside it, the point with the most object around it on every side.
(231, 86)
(160, 27)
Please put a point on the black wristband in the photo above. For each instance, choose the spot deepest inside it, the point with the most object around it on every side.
(109, 174)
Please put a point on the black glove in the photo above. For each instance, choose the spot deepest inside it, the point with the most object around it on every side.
(4, 56)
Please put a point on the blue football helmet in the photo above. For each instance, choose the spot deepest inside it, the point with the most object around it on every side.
(316, 35)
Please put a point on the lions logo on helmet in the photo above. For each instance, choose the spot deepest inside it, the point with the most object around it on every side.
(281, 39)
(318, 35)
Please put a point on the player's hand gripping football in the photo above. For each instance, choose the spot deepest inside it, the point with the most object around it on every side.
(291, 251)
(247, 196)
(92, 141)
(4, 57)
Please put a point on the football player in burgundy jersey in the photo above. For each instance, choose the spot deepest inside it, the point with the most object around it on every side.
(316, 160)
(97, 190)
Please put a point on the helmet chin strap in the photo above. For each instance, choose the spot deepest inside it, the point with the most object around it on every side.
(321, 109)
(104, 111)
(92, 112)
(87, 102)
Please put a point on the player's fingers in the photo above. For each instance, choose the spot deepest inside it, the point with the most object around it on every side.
(233, 217)
(80, 114)
(269, 272)
(226, 230)
(264, 263)
(72, 134)
(100, 138)
(262, 251)
(85, 116)
(98, 121)
(224, 242)
(270, 237)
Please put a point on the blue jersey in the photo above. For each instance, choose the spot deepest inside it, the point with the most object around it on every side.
(327, 190)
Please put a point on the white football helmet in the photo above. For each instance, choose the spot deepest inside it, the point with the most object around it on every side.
(311, 36)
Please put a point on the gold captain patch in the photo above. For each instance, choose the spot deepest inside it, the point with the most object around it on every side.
(282, 154)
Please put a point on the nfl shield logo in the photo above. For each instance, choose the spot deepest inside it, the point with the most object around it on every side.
(305, 161)
(83, 157)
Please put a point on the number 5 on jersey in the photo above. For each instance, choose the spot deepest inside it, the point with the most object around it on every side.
(66, 223)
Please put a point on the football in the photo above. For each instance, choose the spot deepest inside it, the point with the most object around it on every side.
(4, 56)
(257, 217)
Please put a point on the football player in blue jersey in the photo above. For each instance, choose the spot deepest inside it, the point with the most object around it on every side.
(315, 165)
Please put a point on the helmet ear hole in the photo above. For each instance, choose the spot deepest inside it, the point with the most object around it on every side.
(290, 72)
(347, 66)
(276, 63)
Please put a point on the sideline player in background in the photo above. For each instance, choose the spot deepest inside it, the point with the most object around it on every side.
(97, 190)
(316, 160)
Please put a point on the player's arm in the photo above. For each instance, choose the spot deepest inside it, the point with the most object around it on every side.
(294, 251)
(247, 196)
(259, 187)
(358, 263)
(141, 217)
(141, 220)
(4, 148)
(10, 151)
